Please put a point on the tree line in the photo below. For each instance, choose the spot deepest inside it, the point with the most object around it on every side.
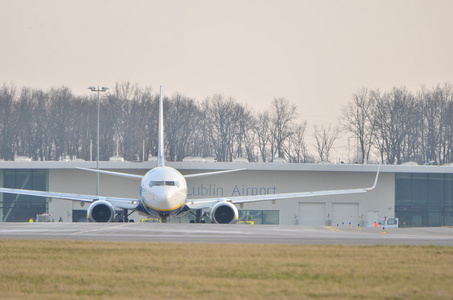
(398, 126)
(54, 124)
(394, 126)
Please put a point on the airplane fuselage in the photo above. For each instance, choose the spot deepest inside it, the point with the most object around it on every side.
(163, 192)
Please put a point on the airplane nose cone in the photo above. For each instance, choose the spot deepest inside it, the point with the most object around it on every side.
(164, 194)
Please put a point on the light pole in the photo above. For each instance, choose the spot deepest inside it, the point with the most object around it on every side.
(98, 90)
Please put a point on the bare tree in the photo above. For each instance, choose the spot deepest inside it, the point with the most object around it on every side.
(325, 138)
(7, 129)
(264, 135)
(447, 140)
(295, 147)
(126, 90)
(435, 120)
(182, 117)
(282, 115)
(134, 117)
(392, 116)
(356, 119)
(223, 116)
(39, 127)
(249, 137)
(24, 107)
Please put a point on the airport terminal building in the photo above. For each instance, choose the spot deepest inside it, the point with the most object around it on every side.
(417, 195)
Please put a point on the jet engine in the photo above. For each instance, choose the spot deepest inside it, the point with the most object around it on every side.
(224, 213)
(101, 211)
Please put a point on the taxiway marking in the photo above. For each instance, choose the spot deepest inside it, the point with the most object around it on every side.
(98, 229)
(332, 228)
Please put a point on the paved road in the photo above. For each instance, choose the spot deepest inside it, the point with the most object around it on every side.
(216, 233)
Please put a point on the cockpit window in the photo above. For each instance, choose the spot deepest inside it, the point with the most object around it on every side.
(164, 183)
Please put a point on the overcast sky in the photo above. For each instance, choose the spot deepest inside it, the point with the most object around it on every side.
(313, 53)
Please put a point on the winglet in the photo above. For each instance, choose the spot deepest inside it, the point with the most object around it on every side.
(160, 150)
(375, 181)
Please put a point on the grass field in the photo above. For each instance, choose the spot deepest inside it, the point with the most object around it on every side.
(46, 269)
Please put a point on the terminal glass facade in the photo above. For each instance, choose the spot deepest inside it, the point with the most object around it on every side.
(259, 216)
(21, 208)
(424, 199)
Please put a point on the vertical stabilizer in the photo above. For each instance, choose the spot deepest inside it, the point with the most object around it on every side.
(160, 150)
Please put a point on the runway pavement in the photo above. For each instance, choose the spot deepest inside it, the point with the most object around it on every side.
(216, 233)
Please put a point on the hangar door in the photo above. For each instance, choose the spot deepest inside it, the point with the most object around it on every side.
(312, 214)
(345, 212)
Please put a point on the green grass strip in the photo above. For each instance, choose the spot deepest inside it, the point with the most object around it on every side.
(63, 269)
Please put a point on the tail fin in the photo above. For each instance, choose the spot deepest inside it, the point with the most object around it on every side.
(160, 150)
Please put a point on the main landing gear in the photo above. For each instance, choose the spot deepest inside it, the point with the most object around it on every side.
(125, 216)
(199, 216)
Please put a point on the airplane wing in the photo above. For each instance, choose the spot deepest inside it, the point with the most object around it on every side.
(209, 202)
(212, 173)
(128, 175)
(126, 203)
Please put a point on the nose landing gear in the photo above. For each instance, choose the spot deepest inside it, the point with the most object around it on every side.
(163, 217)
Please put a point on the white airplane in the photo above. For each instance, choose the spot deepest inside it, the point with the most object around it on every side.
(163, 193)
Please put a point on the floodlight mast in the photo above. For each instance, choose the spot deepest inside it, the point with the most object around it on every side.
(98, 90)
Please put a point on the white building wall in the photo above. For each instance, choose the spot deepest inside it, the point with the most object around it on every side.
(84, 182)
(311, 213)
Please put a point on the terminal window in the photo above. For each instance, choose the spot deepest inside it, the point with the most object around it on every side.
(21, 208)
(424, 199)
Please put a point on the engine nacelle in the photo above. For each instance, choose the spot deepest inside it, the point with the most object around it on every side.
(224, 213)
(101, 211)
